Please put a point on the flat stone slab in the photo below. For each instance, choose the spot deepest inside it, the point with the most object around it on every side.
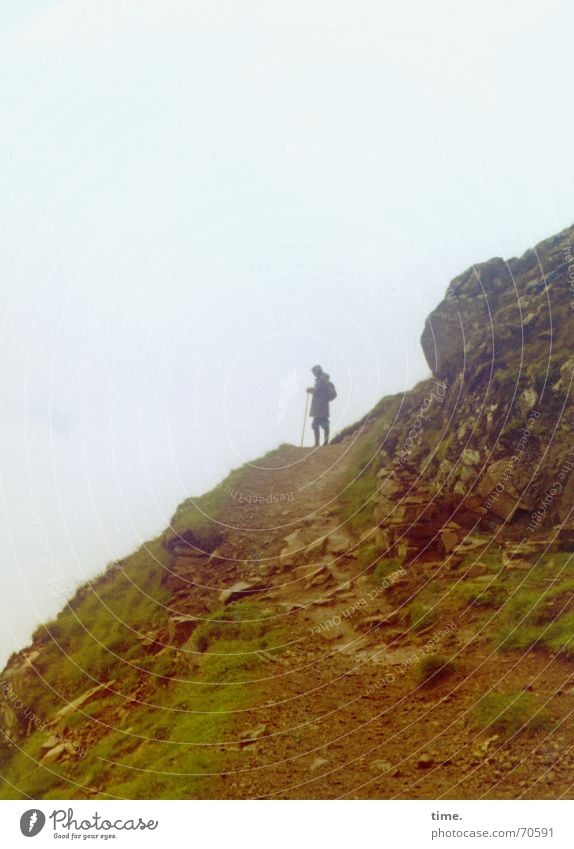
(241, 589)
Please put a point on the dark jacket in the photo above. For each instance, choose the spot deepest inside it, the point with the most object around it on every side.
(320, 403)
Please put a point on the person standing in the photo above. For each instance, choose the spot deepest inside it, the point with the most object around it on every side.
(323, 393)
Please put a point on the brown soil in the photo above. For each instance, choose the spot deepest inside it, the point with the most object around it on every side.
(338, 712)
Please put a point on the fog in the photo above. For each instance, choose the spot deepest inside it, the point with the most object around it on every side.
(199, 201)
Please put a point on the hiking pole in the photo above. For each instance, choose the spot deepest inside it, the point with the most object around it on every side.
(305, 419)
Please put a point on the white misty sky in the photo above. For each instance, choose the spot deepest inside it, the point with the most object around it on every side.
(199, 201)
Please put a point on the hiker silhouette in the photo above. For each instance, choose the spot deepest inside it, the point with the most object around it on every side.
(323, 393)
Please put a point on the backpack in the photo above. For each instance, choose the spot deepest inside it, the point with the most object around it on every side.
(331, 391)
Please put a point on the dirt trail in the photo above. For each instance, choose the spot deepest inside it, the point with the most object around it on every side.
(291, 489)
(338, 712)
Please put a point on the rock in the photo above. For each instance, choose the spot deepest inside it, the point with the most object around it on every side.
(564, 539)
(192, 544)
(317, 764)
(332, 634)
(187, 553)
(342, 591)
(549, 755)
(307, 570)
(57, 752)
(338, 542)
(469, 461)
(566, 372)
(378, 619)
(319, 577)
(292, 546)
(30, 658)
(425, 761)
(497, 489)
(8, 716)
(61, 716)
(323, 601)
(293, 540)
(51, 742)
(450, 538)
(54, 753)
(240, 590)
(529, 398)
(455, 329)
(381, 766)
(180, 628)
(390, 484)
(152, 642)
(252, 736)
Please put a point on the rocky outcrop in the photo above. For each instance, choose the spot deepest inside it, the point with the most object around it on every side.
(501, 341)
(415, 522)
(456, 333)
(496, 308)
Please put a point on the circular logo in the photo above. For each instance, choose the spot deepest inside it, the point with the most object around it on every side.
(32, 822)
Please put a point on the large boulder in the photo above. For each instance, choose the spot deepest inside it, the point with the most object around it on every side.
(461, 326)
(499, 487)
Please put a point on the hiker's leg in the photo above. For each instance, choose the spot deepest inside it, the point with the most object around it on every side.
(326, 429)
(315, 426)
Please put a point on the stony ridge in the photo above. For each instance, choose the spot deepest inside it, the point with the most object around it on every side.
(277, 639)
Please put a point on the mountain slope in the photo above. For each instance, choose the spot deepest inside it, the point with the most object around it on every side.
(388, 616)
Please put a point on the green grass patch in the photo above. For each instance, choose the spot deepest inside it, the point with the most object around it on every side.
(196, 518)
(369, 560)
(433, 669)
(478, 594)
(95, 637)
(422, 613)
(384, 568)
(559, 565)
(241, 622)
(366, 556)
(443, 449)
(510, 713)
(357, 505)
(539, 618)
(491, 562)
(170, 742)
